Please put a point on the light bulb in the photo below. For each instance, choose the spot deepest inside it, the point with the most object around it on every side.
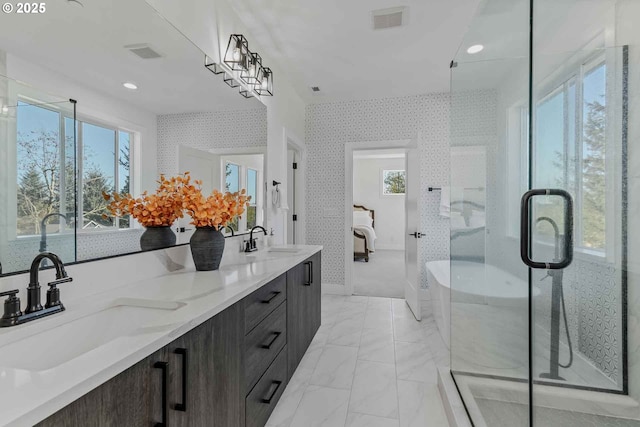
(236, 54)
(265, 82)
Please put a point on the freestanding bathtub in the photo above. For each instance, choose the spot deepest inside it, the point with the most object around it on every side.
(489, 309)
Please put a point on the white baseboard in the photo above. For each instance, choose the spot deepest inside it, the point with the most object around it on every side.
(389, 247)
(334, 289)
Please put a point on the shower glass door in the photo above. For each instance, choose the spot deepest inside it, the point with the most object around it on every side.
(578, 143)
(545, 109)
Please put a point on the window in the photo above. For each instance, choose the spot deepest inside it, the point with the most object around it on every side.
(569, 152)
(393, 182)
(46, 172)
(252, 185)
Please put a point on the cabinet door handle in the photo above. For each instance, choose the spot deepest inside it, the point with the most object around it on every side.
(273, 295)
(268, 400)
(164, 367)
(309, 265)
(185, 369)
(271, 341)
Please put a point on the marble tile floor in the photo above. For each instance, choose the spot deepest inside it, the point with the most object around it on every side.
(371, 364)
(379, 277)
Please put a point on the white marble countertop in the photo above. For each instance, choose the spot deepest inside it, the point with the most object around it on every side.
(47, 364)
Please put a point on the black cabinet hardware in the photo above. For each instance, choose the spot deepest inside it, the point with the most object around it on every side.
(272, 340)
(309, 266)
(273, 295)
(185, 369)
(164, 367)
(274, 390)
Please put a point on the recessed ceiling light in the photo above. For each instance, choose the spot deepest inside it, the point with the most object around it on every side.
(475, 49)
(130, 85)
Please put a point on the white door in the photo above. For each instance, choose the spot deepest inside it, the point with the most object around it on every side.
(204, 166)
(412, 232)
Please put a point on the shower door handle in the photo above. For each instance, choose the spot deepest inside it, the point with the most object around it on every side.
(525, 229)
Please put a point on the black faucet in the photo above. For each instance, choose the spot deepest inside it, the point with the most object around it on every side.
(13, 315)
(251, 244)
(43, 230)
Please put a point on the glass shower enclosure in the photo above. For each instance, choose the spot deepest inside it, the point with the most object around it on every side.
(544, 193)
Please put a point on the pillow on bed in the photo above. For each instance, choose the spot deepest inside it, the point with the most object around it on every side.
(362, 218)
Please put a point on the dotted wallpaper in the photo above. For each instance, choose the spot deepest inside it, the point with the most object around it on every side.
(330, 126)
(220, 129)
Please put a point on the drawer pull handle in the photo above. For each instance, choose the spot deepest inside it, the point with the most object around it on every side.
(185, 369)
(309, 265)
(273, 393)
(164, 367)
(271, 298)
(271, 341)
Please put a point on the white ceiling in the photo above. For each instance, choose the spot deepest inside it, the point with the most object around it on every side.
(86, 44)
(331, 44)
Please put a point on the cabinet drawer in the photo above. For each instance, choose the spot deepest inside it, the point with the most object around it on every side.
(265, 395)
(263, 344)
(259, 304)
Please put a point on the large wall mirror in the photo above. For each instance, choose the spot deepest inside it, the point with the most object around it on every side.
(108, 104)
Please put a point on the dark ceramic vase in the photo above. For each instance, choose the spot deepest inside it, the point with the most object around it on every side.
(157, 238)
(207, 246)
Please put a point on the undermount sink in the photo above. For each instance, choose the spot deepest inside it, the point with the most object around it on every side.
(55, 346)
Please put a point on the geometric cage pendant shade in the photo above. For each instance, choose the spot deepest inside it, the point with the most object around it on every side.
(243, 68)
(265, 86)
(237, 54)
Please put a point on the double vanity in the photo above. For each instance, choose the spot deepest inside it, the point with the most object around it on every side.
(185, 348)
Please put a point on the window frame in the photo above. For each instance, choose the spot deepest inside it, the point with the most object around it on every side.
(81, 120)
(79, 164)
(561, 83)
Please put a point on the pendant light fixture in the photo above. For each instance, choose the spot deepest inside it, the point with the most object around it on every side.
(237, 52)
(242, 68)
(265, 88)
(254, 65)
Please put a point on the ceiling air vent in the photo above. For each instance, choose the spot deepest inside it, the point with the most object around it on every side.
(390, 18)
(143, 51)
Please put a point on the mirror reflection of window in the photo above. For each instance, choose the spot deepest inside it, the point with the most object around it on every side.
(252, 185)
(42, 169)
(98, 168)
(232, 180)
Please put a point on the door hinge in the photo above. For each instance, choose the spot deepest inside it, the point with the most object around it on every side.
(295, 217)
(295, 165)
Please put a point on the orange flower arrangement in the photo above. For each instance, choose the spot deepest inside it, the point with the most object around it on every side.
(216, 210)
(152, 210)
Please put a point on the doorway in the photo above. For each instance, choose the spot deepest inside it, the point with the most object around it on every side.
(378, 222)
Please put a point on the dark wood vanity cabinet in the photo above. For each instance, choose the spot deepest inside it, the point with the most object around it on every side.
(303, 308)
(230, 371)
